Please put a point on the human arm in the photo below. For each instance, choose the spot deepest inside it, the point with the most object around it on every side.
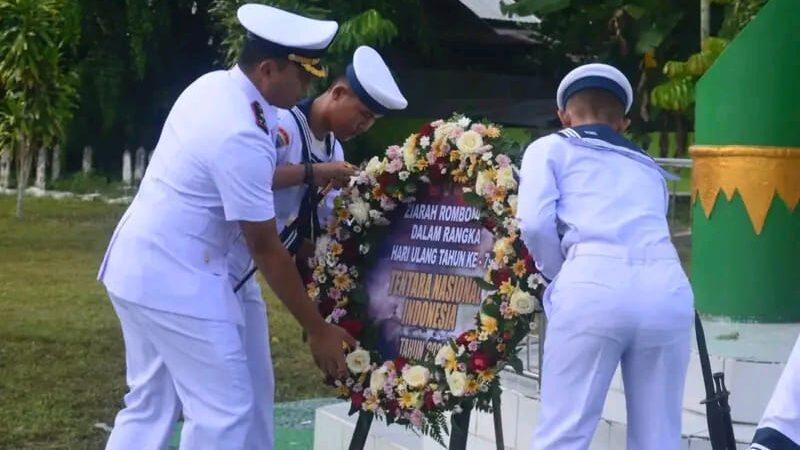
(536, 208)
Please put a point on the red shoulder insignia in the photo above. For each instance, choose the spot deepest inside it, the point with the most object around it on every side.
(282, 139)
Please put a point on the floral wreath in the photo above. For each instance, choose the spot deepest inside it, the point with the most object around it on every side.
(475, 157)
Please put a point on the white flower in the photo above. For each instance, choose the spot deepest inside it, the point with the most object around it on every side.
(521, 302)
(464, 122)
(363, 249)
(322, 247)
(505, 177)
(535, 280)
(377, 379)
(374, 214)
(358, 361)
(444, 355)
(487, 157)
(457, 381)
(322, 278)
(510, 224)
(403, 175)
(498, 208)
(417, 376)
(469, 142)
(424, 142)
(512, 202)
(444, 131)
(330, 260)
(481, 181)
(409, 154)
(360, 211)
(375, 166)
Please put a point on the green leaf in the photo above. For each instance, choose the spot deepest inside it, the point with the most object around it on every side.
(649, 40)
(483, 284)
(473, 199)
(516, 363)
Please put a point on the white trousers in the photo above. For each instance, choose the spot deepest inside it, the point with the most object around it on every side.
(783, 410)
(219, 374)
(605, 311)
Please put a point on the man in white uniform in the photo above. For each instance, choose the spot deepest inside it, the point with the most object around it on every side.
(779, 428)
(308, 140)
(592, 209)
(166, 270)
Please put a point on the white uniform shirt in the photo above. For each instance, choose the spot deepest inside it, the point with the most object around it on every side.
(583, 189)
(287, 200)
(212, 167)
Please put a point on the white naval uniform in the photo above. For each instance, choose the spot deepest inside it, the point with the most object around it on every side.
(592, 210)
(779, 428)
(167, 274)
(287, 200)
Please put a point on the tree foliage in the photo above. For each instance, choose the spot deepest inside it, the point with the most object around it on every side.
(38, 84)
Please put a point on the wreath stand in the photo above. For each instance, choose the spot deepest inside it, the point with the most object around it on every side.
(459, 427)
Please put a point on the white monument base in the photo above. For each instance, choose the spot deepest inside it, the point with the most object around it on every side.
(752, 356)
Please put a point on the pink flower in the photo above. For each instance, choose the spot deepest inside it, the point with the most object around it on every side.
(416, 418)
(488, 189)
(393, 152)
(457, 132)
(387, 204)
(437, 398)
(478, 128)
(445, 147)
(431, 158)
(503, 160)
(335, 294)
(395, 166)
(337, 314)
(472, 346)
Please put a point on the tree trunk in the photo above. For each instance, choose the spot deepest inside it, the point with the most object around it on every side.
(705, 20)
(681, 137)
(24, 159)
(663, 137)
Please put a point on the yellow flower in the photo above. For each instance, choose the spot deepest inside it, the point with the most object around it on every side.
(377, 192)
(472, 386)
(422, 164)
(493, 132)
(370, 403)
(336, 249)
(486, 376)
(342, 281)
(506, 288)
(343, 391)
(409, 400)
(454, 156)
(469, 142)
(518, 268)
(488, 324)
(501, 348)
(313, 291)
(342, 214)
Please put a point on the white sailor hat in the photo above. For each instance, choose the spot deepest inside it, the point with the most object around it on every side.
(595, 76)
(372, 82)
(284, 34)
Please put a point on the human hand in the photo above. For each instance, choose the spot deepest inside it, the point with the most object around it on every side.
(328, 350)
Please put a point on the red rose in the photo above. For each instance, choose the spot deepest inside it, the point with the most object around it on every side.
(399, 363)
(435, 173)
(393, 407)
(523, 251)
(428, 399)
(352, 326)
(489, 223)
(530, 265)
(426, 130)
(357, 400)
(326, 306)
(349, 250)
(385, 179)
(463, 340)
(501, 275)
(479, 361)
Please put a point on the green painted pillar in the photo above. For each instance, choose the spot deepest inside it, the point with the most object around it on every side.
(746, 176)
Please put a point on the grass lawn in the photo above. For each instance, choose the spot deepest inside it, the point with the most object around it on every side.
(61, 352)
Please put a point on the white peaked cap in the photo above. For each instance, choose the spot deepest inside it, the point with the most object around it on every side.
(372, 82)
(595, 76)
